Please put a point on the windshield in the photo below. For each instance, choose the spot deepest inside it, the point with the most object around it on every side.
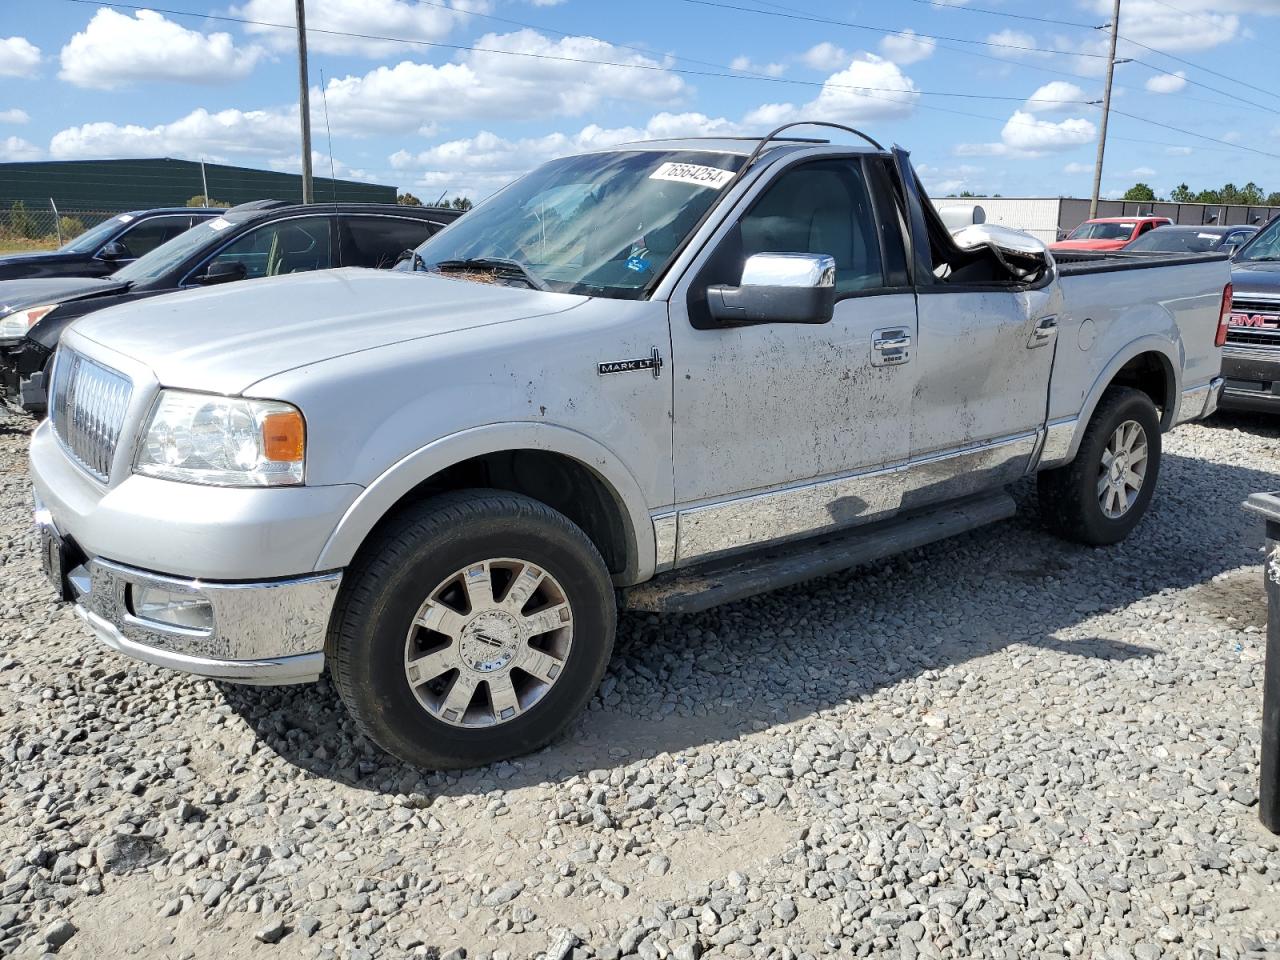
(172, 254)
(1265, 245)
(94, 237)
(604, 224)
(1103, 231)
(1172, 240)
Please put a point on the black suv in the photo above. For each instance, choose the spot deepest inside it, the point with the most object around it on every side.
(102, 250)
(265, 238)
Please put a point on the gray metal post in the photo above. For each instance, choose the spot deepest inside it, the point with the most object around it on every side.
(304, 103)
(1268, 504)
(1269, 784)
(1106, 113)
(57, 220)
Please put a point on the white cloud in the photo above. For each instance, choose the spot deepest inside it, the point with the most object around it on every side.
(870, 88)
(1166, 82)
(19, 57)
(14, 116)
(486, 84)
(1143, 172)
(1012, 43)
(747, 65)
(199, 133)
(826, 56)
(1025, 135)
(479, 165)
(327, 20)
(15, 148)
(1050, 98)
(906, 48)
(321, 167)
(1178, 151)
(1075, 169)
(116, 50)
(1024, 132)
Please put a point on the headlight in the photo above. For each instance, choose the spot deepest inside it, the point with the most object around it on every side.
(20, 321)
(223, 441)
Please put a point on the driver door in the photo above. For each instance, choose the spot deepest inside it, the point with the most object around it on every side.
(783, 430)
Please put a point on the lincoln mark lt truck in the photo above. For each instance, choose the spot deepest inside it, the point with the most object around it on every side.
(659, 376)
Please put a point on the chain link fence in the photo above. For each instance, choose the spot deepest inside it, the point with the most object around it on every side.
(24, 227)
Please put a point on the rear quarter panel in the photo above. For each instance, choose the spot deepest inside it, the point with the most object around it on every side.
(1111, 317)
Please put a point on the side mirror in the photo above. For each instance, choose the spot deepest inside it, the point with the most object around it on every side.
(778, 288)
(115, 250)
(222, 271)
(1023, 255)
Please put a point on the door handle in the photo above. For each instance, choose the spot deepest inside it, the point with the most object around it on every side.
(892, 343)
(1044, 333)
(890, 347)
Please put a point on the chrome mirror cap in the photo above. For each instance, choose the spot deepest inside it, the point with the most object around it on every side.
(789, 270)
(1004, 239)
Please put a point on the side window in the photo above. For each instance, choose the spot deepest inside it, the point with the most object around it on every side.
(144, 237)
(821, 207)
(287, 246)
(378, 241)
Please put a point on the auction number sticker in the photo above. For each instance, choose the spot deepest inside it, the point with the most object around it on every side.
(219, 224)
(699, 176)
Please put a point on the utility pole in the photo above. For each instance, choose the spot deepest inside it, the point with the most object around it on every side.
(1106, 110)
(204, 182)
(304, 102)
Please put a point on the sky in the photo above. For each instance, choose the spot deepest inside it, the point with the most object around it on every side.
(449, 97)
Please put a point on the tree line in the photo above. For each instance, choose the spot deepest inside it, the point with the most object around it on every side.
(1250, 195)
(407, 199)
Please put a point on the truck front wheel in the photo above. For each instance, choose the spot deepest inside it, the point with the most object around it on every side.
(1101, 496)
(473, 627)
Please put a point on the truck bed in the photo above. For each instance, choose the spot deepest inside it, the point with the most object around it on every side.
(1078, 263)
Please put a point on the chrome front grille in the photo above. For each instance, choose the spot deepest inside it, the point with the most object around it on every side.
(88, 408)
(1255, 336)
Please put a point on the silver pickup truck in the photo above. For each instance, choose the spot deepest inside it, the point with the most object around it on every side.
(659, 376)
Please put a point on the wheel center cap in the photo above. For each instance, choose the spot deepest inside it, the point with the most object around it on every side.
(490, 641)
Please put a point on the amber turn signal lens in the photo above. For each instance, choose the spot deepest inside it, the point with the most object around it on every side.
(284, 437)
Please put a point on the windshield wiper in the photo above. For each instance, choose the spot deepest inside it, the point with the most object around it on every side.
(1271, 259)
(499, 265)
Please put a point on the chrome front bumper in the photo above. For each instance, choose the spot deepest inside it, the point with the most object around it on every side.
(267, 633)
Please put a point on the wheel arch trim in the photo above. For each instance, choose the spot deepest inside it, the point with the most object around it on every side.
(381, 496)
(1168, 353)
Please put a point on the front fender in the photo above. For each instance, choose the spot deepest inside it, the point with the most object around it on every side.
(411, 471)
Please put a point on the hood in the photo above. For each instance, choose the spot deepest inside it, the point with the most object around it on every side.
(1256, 276)
(1088, 245)
(16, 294)
(39, 256)
(225, 339)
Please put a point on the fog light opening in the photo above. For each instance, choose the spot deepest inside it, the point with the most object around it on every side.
(187, 611)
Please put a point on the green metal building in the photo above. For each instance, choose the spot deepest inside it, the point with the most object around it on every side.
(110, 185)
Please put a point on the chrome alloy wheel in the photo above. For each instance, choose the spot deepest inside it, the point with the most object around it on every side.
(1123, 469)
(488, 643)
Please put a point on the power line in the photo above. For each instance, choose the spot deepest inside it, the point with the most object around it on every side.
(870, 92)
(986, 43)
(652, 67)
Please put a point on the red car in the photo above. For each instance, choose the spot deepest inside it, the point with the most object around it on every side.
(1109, 233)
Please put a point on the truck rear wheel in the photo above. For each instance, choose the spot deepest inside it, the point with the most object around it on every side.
(1101, 496)
(473, 627)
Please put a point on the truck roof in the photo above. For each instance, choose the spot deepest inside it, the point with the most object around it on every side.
(735, 145)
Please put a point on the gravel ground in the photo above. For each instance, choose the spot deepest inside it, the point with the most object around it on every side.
(998, 746)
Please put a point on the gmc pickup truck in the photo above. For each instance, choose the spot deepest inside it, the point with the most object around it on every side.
(1251, 360)
(660, 376)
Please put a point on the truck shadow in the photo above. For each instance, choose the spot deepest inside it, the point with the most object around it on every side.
(678, 683)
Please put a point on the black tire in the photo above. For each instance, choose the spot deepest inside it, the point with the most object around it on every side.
(1069, 499)
(389, 580)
